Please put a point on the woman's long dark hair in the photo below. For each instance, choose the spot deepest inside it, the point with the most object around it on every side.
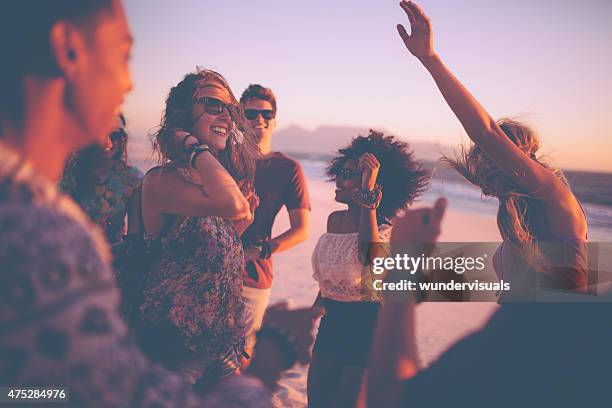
(239, 155)
(401, 177)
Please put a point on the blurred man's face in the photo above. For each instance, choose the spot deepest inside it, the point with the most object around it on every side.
(103, 77)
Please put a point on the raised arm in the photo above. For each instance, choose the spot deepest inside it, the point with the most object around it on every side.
(368, 225)
(170, 193)
(242, 224)
(393, 355)
(274, 351)
(479, 125)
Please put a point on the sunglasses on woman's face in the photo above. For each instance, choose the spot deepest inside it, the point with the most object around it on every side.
(347, 174)
(212, 106)
(252, 114)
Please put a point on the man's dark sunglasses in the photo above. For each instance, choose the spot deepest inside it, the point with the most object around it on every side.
(267, 114)
(212, 106)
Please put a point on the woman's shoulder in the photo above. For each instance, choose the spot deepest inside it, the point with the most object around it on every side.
(335, 220)
(167, 175)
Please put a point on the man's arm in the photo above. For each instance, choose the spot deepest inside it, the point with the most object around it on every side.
(299, 219)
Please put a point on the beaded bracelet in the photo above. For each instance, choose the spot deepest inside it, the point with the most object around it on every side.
(368, 198)
(186, 149)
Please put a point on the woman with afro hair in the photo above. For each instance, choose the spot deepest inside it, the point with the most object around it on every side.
(375, 176)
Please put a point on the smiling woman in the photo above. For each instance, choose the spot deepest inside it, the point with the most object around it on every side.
(196, 203)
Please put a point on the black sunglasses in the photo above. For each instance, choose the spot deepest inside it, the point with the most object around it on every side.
(347, 174)
(267, 114)
(212, 105)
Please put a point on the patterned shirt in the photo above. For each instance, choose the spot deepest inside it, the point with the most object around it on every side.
(106, 204)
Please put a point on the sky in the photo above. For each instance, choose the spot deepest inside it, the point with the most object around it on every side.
(342, 63)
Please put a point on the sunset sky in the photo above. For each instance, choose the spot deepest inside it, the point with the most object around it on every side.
(340, 62)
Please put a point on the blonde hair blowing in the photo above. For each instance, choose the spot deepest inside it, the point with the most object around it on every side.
(520, 215)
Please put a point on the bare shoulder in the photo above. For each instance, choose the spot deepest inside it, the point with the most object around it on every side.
(334, 221)
(163, 179)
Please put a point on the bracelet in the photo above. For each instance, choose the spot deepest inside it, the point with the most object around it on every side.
(368, 198)
(265, 249)
(184, 140)
(195, 152)
(285, 341)
(189, 150)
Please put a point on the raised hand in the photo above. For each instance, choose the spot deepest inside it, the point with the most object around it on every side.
(176, 142)
(269, 361)
(421, 225)
(299, 322)
(420, 40)
(369, 166)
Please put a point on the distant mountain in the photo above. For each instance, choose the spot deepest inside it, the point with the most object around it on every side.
(325, 140)
(322, 143)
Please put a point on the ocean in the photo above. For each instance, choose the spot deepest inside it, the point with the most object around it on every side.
(593, 189)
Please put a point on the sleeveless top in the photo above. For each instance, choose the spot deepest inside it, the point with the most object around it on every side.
(336, 266)
(568, 271)
(567, 266)
(196, 288)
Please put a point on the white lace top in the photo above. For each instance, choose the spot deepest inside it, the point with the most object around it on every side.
(336, 266)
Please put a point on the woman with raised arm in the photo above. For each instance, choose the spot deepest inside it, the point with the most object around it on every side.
(542, 223)
(196, 203)
(375, 176)
(519, 358)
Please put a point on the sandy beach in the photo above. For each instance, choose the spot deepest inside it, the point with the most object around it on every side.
(439, 325)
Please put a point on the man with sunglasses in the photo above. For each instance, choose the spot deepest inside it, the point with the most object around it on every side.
(279, 181)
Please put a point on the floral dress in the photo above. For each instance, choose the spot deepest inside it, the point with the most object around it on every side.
(196, 288)
(106, 205)
(59, 321)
